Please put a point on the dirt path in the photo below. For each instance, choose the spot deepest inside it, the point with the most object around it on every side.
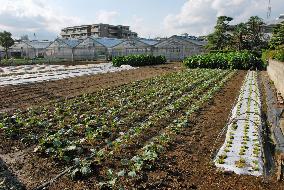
(23, 96)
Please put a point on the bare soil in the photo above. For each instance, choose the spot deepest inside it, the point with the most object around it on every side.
(187, 164)
(23, 96)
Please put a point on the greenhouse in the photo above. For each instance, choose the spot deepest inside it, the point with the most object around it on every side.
(132, 47)
(97, 48)
(90, 49)
(62, 49)
(177, 48)
(29, 49)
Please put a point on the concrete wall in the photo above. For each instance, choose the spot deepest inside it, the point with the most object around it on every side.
(276, 73)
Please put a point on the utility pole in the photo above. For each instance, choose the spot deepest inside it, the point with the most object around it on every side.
(269, 9)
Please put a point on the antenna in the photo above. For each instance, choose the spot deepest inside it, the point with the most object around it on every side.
(269, 9)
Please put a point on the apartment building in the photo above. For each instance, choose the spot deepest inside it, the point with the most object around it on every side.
(98, 30)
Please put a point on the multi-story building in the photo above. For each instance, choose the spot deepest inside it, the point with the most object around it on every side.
(98, 30)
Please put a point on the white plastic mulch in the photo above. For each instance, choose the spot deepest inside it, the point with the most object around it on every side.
(242, 149)
(16, 75)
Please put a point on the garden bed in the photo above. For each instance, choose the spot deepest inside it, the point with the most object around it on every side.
(141, 116)
(242, 150)
(20, 96)
(40, 73)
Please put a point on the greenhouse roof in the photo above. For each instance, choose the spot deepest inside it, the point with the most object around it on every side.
(38, 44)
(149, 41)
(108, 42)
(70, 42)
(190, 39)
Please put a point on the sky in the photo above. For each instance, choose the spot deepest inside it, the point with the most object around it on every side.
(149, 18)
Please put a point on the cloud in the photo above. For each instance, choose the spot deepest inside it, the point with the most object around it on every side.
(33, 16)
(138, 24)
(198, 17)
(104, 16)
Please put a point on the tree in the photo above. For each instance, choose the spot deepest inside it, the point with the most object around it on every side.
(221, 37)
(25, 37)
(277, 39)
(239, 36)
(255, 33)
(6, 41)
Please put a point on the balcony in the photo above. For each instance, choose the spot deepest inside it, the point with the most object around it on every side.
(95, 30)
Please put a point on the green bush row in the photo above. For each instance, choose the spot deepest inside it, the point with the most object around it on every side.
(232, 60)
(138, 60)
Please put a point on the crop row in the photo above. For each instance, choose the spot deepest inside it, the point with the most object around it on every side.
(131, 169)
(126, 139)
(107, 125)
(242, 150)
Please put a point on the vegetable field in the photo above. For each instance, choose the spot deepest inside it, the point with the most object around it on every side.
(19, 75)
(115, 134)
(153, 127)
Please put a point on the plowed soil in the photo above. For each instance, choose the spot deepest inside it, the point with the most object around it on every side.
(187, 164)
(23, 96)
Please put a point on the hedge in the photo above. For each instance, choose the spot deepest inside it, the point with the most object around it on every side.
(138, 60)
(232, 60)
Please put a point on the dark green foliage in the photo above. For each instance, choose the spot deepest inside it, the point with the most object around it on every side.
(220, 38)
(138, 60)
(231, 60)
(6, 41)
(242, 36)
(277, 39)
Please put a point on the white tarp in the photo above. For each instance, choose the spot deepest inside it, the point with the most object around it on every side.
(242, 150)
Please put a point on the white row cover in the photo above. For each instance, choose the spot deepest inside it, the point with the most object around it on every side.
(242, 150)
(39, 73)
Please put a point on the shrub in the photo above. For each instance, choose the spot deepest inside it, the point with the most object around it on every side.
(138, 60)
(231, 60)
(273, 54)
(279, 55)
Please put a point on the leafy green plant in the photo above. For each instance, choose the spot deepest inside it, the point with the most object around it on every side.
(241, 163)
(138, 60)
(83, 169)
(232, 60)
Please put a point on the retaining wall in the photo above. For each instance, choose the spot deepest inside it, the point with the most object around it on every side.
(275, 71)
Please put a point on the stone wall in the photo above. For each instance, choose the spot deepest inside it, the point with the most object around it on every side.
(276, 73)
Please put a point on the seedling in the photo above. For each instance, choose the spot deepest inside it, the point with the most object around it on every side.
(221, 159)
(241, 163)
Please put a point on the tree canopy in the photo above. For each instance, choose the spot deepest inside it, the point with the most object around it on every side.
(277, 39)
(242, 36)
(220, 38)
(6, 41)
